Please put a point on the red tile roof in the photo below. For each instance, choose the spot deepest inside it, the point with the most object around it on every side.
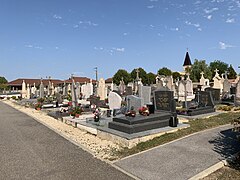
(18, 82)
(81, 80)
(109, 80)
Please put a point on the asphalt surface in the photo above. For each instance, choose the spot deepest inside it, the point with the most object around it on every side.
(29, 150)
(184, 158)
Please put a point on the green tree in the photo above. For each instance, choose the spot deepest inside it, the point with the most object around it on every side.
(198, 67)
(231, 72)
(176, 75)
(217, 64)
(3, 80)
(165, 71)
(142, 74)
(121, 73)
(3, 83)
(151, 78)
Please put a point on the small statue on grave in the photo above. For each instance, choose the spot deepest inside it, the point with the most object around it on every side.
(131, 112)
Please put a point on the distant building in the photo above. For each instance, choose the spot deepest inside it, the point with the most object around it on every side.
(187, 62)
(16, 85)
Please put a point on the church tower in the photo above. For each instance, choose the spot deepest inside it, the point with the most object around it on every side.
(187, 62)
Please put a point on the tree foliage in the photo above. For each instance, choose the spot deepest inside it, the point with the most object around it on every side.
(198, 67)
(151, 78)
(142, 74)
(121, 73)
(176, 75)
(165, 71)
(3, 83)
(3, 80)
(217, 64)
(231, 72)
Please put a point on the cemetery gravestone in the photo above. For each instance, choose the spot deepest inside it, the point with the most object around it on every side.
(114, 100)
(215, 94)
(134, 101)
(164, 101)
(237, 97)
(145, 93)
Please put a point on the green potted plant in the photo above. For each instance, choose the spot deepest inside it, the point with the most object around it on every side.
(38, 106)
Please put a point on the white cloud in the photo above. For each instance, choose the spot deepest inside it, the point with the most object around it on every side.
(89, 23)
(119, 49)
(57, 16)
(224, 46)
(75, 26)
(208, 11)
(209, 17)
(197, 25)
(29, 46)
(230, 20)
(174, 29)
(150, 7)
(38, 47)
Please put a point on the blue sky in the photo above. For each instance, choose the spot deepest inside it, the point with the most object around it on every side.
(59, 37)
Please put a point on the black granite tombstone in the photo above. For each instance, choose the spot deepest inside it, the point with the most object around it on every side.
(165, 115)
(215, 94)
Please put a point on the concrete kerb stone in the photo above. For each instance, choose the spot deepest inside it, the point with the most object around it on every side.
(209, 170)
(131, 142)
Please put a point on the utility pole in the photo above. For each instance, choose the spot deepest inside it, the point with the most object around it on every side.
(96, 71)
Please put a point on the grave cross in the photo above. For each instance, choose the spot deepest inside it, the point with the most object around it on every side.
(137, 71)
(225, 74)
(166, 81)
(202, 73)
(216, 71)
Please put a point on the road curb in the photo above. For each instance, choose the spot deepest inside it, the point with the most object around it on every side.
(209, 170)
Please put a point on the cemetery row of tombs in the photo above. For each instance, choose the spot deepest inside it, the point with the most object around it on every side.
(132, 108)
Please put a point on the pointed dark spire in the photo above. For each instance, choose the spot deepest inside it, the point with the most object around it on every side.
(187, 61)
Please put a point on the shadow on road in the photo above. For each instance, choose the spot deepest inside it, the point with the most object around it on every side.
(227, 144)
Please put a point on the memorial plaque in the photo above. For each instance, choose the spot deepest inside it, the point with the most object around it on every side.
(164, 100)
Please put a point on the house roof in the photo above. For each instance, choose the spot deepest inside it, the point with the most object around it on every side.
(187, 61)
(81, 80)
(109, 80)
(18, 82)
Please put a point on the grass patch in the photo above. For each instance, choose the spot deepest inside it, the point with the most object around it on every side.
(195, 126)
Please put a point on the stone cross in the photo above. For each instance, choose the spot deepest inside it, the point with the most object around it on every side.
(216, 71)
(165, 81)
(225, 74)
(188, 76)
(202, 73)
(137, 71)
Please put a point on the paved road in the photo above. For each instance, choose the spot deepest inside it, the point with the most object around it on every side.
(29, 150)
(184, 158)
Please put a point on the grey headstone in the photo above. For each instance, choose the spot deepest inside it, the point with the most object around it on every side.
(145, 93)
(164, 101)
(128, 91)
(226, 86)
(134, 101)
(114, 100)
(237, 99)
